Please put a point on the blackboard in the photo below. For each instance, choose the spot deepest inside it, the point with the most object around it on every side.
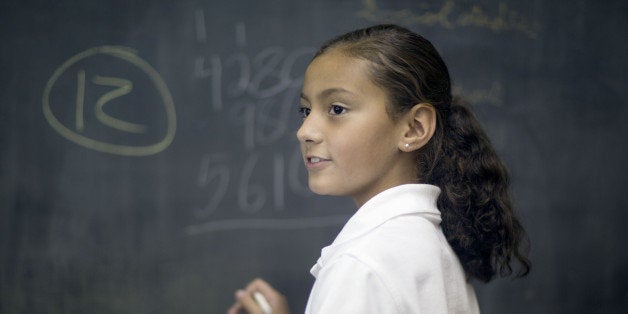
(149, 161)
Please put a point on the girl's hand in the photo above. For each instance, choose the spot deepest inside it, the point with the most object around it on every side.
(245, 303)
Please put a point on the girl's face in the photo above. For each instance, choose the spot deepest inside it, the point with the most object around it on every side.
(350, 145)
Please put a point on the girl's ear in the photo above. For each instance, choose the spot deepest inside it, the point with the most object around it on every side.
(419, 124)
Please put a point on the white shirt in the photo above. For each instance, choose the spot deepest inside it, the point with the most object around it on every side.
(392, 257)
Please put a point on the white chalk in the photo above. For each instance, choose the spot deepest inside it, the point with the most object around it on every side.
(262, 302)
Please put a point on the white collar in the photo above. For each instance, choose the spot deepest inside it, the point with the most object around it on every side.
(400, 200)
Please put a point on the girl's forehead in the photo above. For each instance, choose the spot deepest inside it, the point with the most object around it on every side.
(337, 68)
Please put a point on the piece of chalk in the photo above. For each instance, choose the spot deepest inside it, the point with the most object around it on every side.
(262, 302)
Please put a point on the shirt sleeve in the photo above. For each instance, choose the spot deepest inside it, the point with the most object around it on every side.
(349, 285)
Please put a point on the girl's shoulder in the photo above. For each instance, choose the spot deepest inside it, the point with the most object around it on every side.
(394, 243)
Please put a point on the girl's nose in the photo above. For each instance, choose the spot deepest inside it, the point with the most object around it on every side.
(309, 132)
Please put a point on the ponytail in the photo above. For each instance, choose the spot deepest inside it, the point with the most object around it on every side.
(477, 212)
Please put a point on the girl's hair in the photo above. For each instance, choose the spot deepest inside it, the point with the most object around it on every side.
(477, 212)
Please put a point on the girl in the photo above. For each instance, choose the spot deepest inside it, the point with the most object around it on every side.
(380, 126)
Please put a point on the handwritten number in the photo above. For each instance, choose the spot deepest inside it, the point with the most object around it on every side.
(80, 100)
(213, 173)
(251, 198)
(123, 87)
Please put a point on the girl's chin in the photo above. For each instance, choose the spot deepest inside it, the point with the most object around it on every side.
(318, 190)
(323, 189)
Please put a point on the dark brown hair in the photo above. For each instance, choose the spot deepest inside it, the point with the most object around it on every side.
(478, 219)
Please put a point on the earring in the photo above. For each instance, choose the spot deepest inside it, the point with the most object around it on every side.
(407, 145)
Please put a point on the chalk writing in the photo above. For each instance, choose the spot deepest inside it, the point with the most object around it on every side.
(215, 173)
(52, 107)
(273, 73)
(199, 18)
(262, 87)
(218, 173)
(450, 16)
(259, 92)
(80, 101)
(251, 197)
(124, 87)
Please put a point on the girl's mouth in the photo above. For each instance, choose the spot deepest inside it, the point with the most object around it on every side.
(315, 162)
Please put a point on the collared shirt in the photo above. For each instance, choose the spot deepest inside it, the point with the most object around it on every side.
(392, 257)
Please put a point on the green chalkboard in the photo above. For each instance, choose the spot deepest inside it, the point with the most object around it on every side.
(149, 163)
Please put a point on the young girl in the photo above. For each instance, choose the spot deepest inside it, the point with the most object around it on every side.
(380, 126)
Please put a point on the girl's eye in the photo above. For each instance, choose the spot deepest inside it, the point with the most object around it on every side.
(336, 110)
(304, 112)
